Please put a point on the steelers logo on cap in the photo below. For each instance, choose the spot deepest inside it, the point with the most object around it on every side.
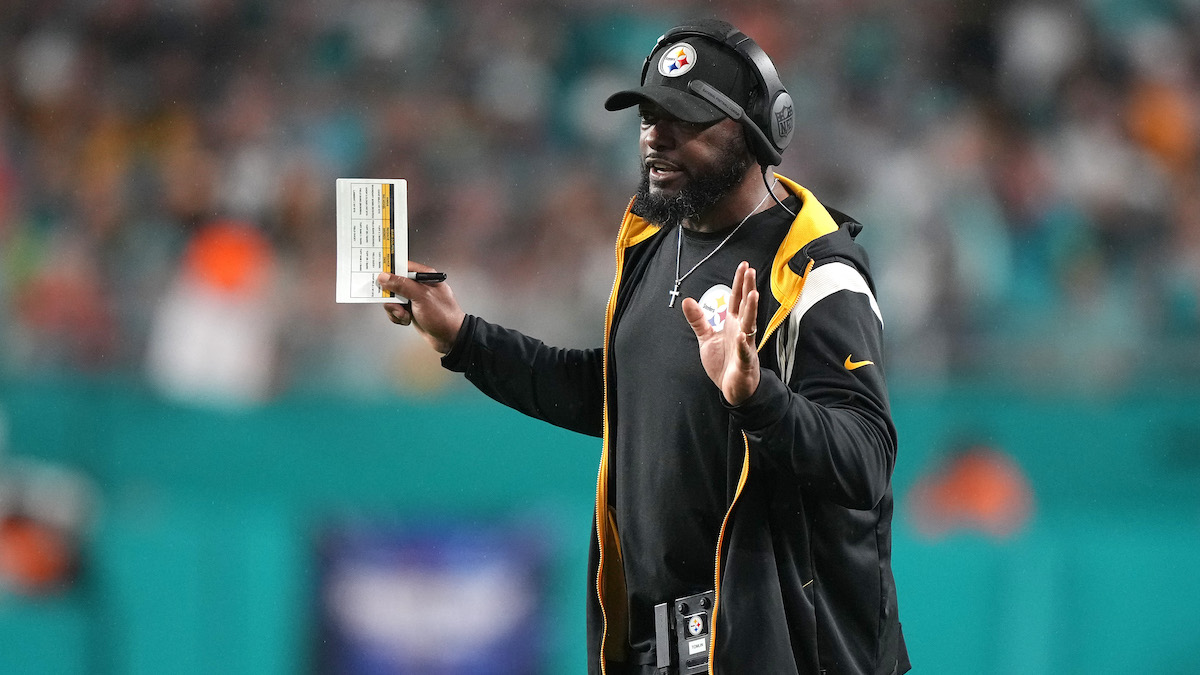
(715, 304)
(677, 60)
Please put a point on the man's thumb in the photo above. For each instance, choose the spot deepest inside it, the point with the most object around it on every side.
(695, 317)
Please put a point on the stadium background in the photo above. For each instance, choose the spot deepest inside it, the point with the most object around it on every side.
(186, 410)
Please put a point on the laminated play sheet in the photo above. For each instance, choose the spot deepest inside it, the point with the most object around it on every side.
(372, 236)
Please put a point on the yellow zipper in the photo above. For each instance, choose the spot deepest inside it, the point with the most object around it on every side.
(712, 635)
(602, 477)
(600, 534)
(786, 311)
(712, 622)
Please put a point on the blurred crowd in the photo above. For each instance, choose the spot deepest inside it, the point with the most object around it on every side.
(1026, 171)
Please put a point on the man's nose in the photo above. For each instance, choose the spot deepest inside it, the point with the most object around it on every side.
(659, 135)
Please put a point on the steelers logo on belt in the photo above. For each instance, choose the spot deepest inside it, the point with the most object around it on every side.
(695, 625)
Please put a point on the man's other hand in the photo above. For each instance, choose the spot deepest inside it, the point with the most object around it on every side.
(431, 309)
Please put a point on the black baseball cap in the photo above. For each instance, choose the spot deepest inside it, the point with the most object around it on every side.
(675, 63)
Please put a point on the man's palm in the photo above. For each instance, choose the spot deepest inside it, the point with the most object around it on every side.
(729, 355)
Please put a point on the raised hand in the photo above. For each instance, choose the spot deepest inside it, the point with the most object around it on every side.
(729, 355)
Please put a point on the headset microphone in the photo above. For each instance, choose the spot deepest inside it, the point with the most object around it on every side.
(765, 151)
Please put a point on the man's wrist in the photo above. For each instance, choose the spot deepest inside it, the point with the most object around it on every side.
(749, 389)
(762, 406)
(452, 359)
(444, 347)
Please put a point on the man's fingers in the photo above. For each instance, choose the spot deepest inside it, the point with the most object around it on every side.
(738, 290)
(399, 284)
(748, 312)
(695, 317)
(398, 313)
(745, 347)
(747, 325)
(418, 267)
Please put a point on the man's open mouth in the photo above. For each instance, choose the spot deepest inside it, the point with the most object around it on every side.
(661, 169)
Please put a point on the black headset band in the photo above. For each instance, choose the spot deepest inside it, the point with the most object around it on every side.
(734, 39)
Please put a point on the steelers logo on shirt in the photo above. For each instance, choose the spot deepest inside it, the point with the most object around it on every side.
(715, 304)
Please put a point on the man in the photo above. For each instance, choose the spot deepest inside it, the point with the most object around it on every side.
(748, 446)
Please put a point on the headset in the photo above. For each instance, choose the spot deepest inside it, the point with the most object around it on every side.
(770, 125)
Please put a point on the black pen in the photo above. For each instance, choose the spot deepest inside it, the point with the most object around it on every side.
(427, 277)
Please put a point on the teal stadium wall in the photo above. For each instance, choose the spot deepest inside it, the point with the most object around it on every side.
(202, 556)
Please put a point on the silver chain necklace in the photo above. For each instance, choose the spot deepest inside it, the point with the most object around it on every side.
(679, 247)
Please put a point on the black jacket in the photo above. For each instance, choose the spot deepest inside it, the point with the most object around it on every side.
(803, 567)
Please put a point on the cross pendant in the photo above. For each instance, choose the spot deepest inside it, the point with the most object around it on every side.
(674, 294)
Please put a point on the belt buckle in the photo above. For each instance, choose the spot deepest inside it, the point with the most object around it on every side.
(682, 634)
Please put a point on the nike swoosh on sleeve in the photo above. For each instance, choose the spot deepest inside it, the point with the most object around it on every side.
(855, 365)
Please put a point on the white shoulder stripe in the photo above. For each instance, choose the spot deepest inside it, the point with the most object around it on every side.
(828, 279)
(821, 283)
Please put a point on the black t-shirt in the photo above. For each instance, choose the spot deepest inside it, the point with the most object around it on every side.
(672, 471)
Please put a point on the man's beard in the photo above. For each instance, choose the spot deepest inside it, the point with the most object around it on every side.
(699, 194)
